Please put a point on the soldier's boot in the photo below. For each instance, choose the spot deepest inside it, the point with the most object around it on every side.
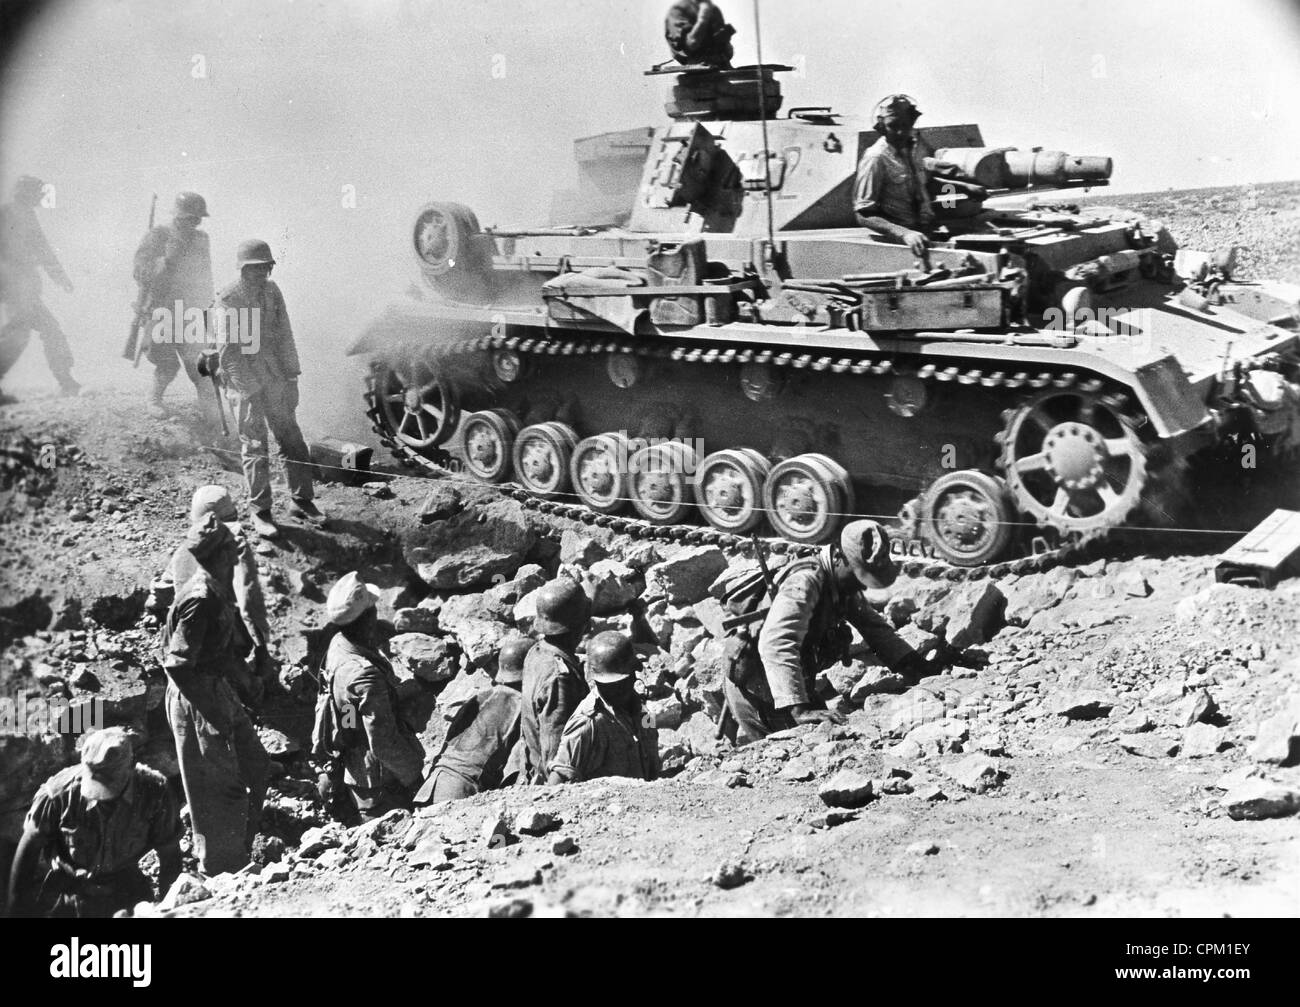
(264, 525)
(305, 510)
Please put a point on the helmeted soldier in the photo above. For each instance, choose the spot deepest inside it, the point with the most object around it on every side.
(222, 761)
(260, 362)
(378, 756)
(173, 266)
(806, 630)
(609, 733)
(93, 822)
(482, 749)
(698, 34)
(24, 252)
(553, 681)
(247, 586)
(890, 193)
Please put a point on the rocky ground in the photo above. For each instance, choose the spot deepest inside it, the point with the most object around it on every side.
(1115, 736)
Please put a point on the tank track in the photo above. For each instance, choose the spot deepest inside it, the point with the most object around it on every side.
(912, 553)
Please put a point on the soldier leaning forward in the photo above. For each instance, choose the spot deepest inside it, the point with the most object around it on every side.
(359, 730)
(223, 764)
(806, 630)
(94, 822)
(482, 749)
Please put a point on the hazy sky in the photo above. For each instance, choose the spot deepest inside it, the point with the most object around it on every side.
(270, 108)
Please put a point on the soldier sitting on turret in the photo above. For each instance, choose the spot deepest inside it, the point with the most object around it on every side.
(698, 34)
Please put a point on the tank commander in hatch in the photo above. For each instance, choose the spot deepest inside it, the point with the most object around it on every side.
(891, 194)
(698, 34)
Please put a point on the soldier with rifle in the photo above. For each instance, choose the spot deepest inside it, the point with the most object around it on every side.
(173, 266)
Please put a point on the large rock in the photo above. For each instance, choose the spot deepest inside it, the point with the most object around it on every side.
(610, 585)
(462, 608)
(472, 547)
(1028, 595)
(1261, 799)
(685, 576)
(480, 641)
(1201, 740)
(1087, 704)
(460, 690)
(846, 789)
(838, 679)
(428, 658)
(876, 680)
(579, 549)
(970, 615)
(711, 615)
(702, 687)
(415, 620)
(976, 773)
(686, 636)
(667, 713)
(1277, 742)
(939, 736)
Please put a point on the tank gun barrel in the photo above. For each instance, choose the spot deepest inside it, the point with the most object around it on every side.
(1009, 168)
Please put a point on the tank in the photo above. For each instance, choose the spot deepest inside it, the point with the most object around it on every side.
(702, 344)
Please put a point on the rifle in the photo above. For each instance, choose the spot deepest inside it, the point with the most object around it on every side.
(141, 310)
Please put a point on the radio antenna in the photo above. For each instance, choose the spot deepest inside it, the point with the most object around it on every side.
(767, 154)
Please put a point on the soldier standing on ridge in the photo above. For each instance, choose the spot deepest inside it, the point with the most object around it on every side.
(260, 363)
(24, 251)
(173, 265)
(94, 822)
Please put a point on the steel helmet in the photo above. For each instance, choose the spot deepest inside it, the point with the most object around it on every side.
(610, 657)
(562, 607)
(510, 663)
(191, 204)
(897, 105)
(865, 546)
(254, 252)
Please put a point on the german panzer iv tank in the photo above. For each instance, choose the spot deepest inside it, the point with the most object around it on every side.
(715, 350)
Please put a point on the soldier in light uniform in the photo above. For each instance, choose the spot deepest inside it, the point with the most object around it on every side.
(806, 631)
(248, 588)
(553, 680)
(94, 822)
(382, 759)
(890, 193)
(482, 748)
(261, 371)
(24, 251)
(608, 734)
(174, 266)
(223, 764)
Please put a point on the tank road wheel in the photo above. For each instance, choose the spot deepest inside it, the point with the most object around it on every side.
(489, 444)
(967, 517)
(1073, 461)
(417, 405)
(729, 489)
(807, 497)
(661, 476)
(542, 453)
(599, 469)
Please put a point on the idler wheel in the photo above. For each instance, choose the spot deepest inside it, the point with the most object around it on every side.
(967, 516)
(661, 477)
(1074, 461)
(599, 469)
(489, 439)
(807, 497)
(729, 489)
(417, 405)
(542, 454)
